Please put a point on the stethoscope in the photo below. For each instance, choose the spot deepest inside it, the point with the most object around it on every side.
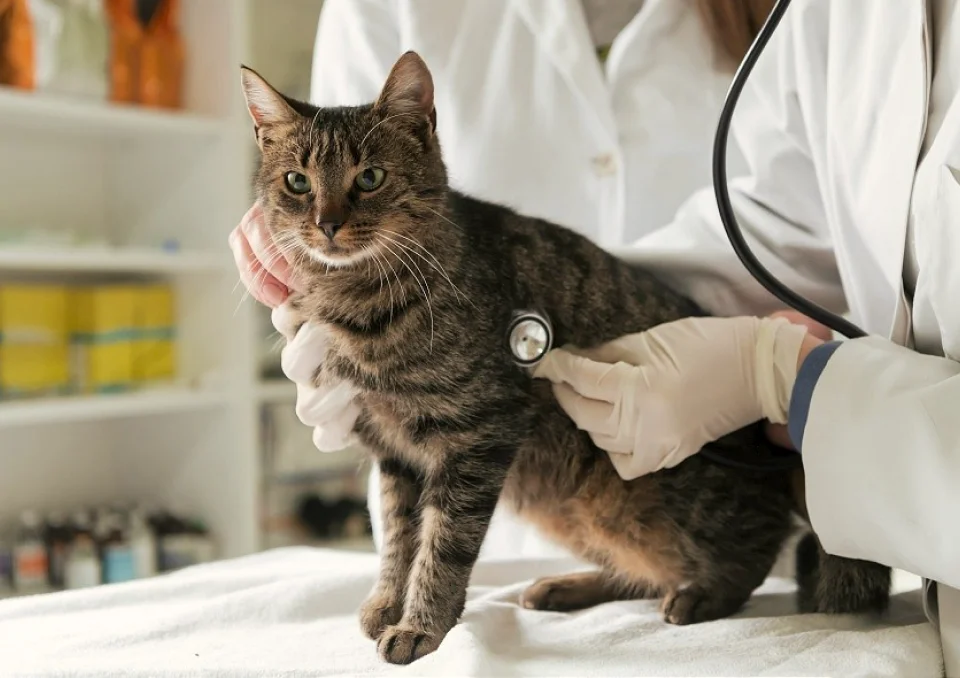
(530, 334)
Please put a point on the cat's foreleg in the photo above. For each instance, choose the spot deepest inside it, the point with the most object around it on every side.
(459, 499)
(400, 490)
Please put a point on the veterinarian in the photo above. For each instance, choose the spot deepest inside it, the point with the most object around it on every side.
(850, 126)
(595, 114)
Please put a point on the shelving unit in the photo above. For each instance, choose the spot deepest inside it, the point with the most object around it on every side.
(38, 112)
(68, 409)
(277, 391)
(138, 178)
(93, 259)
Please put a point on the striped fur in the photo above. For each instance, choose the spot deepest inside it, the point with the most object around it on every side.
(417, 290)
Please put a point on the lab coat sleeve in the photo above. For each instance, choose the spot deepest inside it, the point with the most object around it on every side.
(358, 41)
(878, 430)
(776, 197)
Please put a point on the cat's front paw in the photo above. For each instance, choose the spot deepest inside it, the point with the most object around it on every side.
(379, 610)
(403, 644)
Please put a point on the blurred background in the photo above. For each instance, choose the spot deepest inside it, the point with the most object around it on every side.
(144, 421)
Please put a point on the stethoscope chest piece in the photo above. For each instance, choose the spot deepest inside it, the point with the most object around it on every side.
(529, 337)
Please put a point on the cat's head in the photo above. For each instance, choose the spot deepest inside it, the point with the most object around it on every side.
(338, 185)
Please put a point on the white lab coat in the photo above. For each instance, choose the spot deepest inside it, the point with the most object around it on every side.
(831, 124)
(528, 117)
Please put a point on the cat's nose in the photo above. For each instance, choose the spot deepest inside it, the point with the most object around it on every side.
(330, 228)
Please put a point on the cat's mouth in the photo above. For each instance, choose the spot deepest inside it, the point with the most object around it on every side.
(338, 254)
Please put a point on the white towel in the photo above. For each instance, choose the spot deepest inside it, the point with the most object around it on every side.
(292, 613)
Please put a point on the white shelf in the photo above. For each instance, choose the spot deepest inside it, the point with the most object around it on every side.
(21, 110)
(277, 391)
(97, 407)
(109, 260)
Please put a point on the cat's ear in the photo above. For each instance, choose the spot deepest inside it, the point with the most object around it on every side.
(266, 105)
(409, 89)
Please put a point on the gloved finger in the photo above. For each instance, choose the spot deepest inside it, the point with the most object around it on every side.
(285, 321)
(304, 354)
(611, 444)
(627, 349)
(319, 407)
(259, 283)
(338, 433)
(593, 416)
(630, 466)
(595, 380)
(264, 249)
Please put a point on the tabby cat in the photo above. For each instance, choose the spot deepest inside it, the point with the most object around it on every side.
(417, 284)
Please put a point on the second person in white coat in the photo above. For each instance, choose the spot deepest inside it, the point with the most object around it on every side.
(595, 114)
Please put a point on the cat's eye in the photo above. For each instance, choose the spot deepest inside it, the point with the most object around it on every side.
(370, 179)
(298, 183)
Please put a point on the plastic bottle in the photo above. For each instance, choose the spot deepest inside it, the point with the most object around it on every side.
(6, 563)
(118, 559)
(82, 568)
(30, 555)
(143, 545)
(57, 536)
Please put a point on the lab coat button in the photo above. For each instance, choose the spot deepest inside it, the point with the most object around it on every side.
(605, 165)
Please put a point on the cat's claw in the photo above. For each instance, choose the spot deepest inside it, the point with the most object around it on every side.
(402, 644)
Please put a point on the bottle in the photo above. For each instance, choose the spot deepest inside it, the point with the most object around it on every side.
(6, 563)
(30, 555)
(82, 568)
(17, 50)
(143, 545)
(82, 523)
(118, 559)
(57, 537)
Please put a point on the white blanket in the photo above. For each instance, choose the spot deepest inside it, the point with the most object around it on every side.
(292, 612)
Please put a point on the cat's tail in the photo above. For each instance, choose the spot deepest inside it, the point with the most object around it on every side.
(836, 585)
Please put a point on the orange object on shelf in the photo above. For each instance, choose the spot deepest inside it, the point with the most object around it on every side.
(126, 35)
(161, 62)
(17, 61)
(146, 62)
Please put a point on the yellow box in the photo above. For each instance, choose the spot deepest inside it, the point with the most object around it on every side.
(33, 314)
(154, 351)
(34, 330)
(104, 329)
(34, 369)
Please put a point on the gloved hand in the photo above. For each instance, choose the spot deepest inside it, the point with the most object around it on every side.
(331, 411)
(267, 275)
(653, 399)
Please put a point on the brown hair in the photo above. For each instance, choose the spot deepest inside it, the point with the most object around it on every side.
(733, 24)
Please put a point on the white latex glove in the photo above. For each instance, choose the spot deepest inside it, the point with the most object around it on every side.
(331, 411)
(653, 399)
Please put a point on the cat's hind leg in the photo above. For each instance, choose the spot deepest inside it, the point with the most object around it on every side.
(835, 585)
(581, 590)
(695, 604)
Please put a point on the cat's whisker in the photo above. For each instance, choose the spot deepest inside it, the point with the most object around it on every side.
(399, 284)
(373, 257)
(424, 291)
(412, 261)
(435, 264)
(456, 226)
(389, 117)
(313, 128)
